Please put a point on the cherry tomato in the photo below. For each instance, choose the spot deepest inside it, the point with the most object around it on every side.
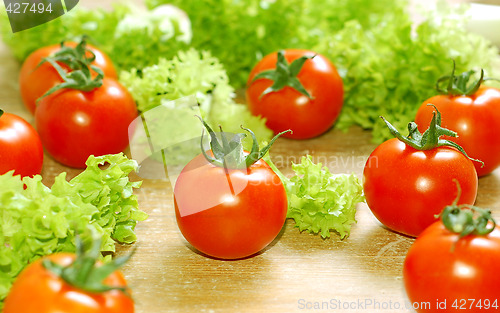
(37, 290)
(36, 80)
(443, 273)
(74, 124)
(288, 108)
(20, 146)
(405, 187)
(231, 214)
(475, 118)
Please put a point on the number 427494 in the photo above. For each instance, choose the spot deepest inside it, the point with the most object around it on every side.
(468, 304)
(26, 7)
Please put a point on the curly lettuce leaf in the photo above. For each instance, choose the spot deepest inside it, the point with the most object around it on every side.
(111, 191)
(36, 220)
(319, 201)
(187, 73)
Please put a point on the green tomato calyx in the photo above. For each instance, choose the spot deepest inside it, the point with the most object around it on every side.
(285, 75)
(1, 112)
(459, 85)
(74, 58)
(431, 138)
(83, 272)
(230, 153)
(79, 63)
(467, 219)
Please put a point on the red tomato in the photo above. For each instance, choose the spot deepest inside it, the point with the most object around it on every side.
(36, 80)
(288, 108)
(20, 146)
(475, 118)
(74, 124)
(448, 274)
(229, 215)
(37, 290)
(405, 187)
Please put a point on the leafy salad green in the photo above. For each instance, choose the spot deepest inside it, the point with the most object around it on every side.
(36, 220)
(319, 201)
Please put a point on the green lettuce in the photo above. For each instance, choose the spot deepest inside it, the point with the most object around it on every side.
(239, 33)
(36, 220)
(187, 73)
(319, 201)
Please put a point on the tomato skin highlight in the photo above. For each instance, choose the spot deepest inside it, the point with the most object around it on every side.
(74, 125)
(405, 187)
(20, 146)
(229, 216)
(36, 290)
(475, 118)
(288, 108)
(441, 267)
(35, 81)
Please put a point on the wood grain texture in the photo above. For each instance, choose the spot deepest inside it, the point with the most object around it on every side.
(168, 276)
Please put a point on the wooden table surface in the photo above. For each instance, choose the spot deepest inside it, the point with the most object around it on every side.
(297, 271)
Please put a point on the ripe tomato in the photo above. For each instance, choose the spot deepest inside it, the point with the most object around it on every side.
(20, 146)
(405, 187)
(475, 118)
(288, 108)
(38, 290)
(448, 274)
(408, 180)
(231, 214)
(74, 124)
(34, 80)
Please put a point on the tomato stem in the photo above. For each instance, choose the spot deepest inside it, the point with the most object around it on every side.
(1, 112)
(467, 219)
(229, 153)
(431, 138)
(83, 272)
(285, 75)
(459, 85)
(73, 58)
